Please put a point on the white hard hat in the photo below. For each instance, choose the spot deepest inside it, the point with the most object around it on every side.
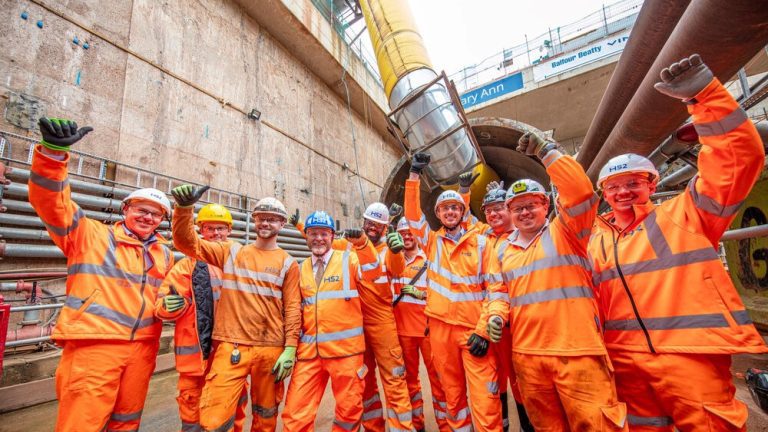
(448, 196)
(627, 163)
(377, 212)
(151, 195)
(402, 225)
(271, 206)
(524, 187)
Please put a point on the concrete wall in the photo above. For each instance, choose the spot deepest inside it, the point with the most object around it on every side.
(166, 85)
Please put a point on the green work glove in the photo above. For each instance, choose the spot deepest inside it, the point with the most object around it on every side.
(685, 79)
(534, 144)
(414, 292)
(394, 241)
(284, 364)
(187, 195)
(294, 218)
(173, 303)
(419, 161)
(59, 134)
(495, 324)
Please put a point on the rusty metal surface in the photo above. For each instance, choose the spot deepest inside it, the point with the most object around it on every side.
(654, 24)
(725, 34)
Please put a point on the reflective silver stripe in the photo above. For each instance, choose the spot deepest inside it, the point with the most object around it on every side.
(547, 243)
(582, 207)
(259, 276)
(656, 264)
(649, 421)
(454, 278)
(421, 223)
(362, 371)
(402, 417)
(709, 204)
(498, 296)
(243, 399)
(191, 427)
(372, 414)
(492, 386)
(440, 414)
(493, 277)
(723, 126)
(226, 426)
(398, 371)
(287, 263)
(217, 294)
(103, 270)
(346, 425)
(382, 280)
(481, 241)
(107, 313)
(583, 233)
(229, 266)
(462, 415)
(501, 249)
(741, 317)
(333, 336)
(330, 295)
(126, 417)
(251, 289)
(549, 262)
(421, 283)
(48, 184)
(264, 412)
(455, 296)
(371, 266)
(550, 295)
(411, 300)
(714, 320)
(372, 400)
(345, 272)
(416, 397)
(418, 412)
(63, 231)
(551, 157)
(187, 350)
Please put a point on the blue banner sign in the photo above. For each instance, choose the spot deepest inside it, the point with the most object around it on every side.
(492, 90)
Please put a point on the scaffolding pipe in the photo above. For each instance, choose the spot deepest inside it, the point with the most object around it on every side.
(654, 24)
(27, 308)
(35, 274)
(746, 233)
(33, 341)
(726, 35)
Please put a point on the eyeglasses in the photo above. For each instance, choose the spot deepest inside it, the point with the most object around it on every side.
(450, 207)
(371, 224)
(270, 220)
(528, 207)
(215, 229)
(632, 185)
(142, 212)
(496, 208)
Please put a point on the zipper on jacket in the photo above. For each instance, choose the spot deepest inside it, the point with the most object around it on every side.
(629, 293)
(141, 292)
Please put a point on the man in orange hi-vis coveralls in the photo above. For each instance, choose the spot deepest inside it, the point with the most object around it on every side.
(455, 293)
(188, 296)
(332, 341)
(672, 316)
(545, 292)
(409, 301)
(381, 341)
(109, 333)
(258, 316)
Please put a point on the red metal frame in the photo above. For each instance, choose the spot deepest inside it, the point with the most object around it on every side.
(5, 315)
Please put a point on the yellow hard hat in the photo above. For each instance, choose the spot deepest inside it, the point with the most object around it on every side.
(214, 213)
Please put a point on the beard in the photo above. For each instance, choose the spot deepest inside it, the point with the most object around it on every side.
(266, 234)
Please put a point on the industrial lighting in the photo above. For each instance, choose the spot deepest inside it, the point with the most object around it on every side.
(254, 114)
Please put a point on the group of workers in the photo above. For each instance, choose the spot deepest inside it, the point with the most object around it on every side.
(623, 321)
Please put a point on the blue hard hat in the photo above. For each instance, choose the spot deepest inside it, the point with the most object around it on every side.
(320, 219)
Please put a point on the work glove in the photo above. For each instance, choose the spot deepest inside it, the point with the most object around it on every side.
(412, 291)
(294, 218)
(187, 195)
(419, 161)
(394, 241)
(173, 302)
(495, 324)
(355, 236)
(534, 144)
(284, 364)
(478, 345)
(494, 185)
(59, 134)
(395, 210)
(466, 179)
(685, 79)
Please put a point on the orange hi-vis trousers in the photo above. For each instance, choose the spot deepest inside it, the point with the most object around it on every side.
(687, 392)
(191, 389)
(307, 386)
(102, 385)
(383, 350)
(457, 369)
(562, 393)
(411, 346)
(225, 384)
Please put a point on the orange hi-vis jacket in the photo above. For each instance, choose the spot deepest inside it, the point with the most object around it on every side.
(660, 284)
(545, 288)
(332, 318)
(186, 339)
(260, 303)
(455, 289)
(409, 311)
(112, 277)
